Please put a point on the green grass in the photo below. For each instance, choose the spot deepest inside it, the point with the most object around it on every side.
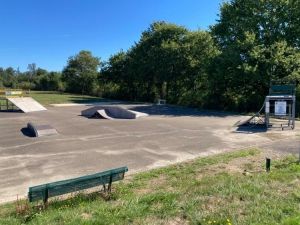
(204, 191)
(52, 97)
(47, 98)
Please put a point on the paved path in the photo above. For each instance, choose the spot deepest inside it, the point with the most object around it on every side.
(84, 146)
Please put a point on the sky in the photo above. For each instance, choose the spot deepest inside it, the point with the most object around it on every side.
(48, 32)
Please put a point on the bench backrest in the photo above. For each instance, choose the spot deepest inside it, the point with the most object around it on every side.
(45, 191)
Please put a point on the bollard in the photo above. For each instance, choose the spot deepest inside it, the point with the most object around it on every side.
(268, 164)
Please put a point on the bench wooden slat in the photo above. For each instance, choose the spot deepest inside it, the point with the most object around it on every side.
(45, 191)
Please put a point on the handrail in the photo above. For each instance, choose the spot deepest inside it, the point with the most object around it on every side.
(11, 92)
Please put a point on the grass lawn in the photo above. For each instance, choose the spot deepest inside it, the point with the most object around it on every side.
(46, 98)
(211, 190)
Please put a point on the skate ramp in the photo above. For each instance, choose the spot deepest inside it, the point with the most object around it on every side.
(112, 112)
(102, 113)
(255, 120)
(41, 130)
(243, 122)
(26, 104)
(138, 114)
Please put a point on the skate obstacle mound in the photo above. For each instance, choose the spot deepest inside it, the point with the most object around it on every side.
(278, 109)
(41, 130)
(111, 113)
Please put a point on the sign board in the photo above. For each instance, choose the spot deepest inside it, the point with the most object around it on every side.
(161, 102)
(267, 107)
(280, 108)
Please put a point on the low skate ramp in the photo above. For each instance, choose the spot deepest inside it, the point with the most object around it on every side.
(243, 122)
(102, 113)
(41, 130)
(138, 114)
(26, 104)
(112, 112)
(255, 120)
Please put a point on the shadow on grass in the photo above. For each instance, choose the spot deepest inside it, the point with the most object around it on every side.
(75, 199)
(72, 201)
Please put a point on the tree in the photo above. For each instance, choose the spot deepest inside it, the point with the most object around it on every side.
(50, 82)
(81, 73)
(116, 76)
(158, 57)
(259, 43)
(31, 73)
(7, 77)
(168, 61)
(199, 50)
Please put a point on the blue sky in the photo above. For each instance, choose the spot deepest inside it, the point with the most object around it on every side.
(47, 32)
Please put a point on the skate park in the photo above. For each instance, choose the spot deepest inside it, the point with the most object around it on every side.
(82, 144)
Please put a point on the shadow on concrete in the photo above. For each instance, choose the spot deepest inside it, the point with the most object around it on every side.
(251, 129)
(11, 110)
(27, 132)
(176, 111)
(91, 100)
(96, 117)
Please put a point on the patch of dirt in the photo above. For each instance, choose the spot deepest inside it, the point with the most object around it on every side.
(296, 182)
(241, 165)
(153, 184)
(177, 221)
(210, 203)
(86, 216)
(158, 221)
(274, 136)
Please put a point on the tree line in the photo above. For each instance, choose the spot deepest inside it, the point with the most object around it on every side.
(33, 79)
(230, 66)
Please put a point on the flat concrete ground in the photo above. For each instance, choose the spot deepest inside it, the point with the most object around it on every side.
(85, 146)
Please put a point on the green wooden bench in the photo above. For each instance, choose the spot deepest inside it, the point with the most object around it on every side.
(45, 191)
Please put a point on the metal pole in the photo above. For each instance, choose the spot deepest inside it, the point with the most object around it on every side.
(267, 111)
(299, 157)
(293, 111)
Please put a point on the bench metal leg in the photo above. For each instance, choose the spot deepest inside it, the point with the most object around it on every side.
(109, 185)
(46, 195)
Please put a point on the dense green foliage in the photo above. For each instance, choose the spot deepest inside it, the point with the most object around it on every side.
(259, 41)
(81, 73)
(168, 62)
(230, 66)
(38, 79)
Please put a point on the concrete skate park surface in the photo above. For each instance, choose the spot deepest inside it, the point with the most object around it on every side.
(84, 146)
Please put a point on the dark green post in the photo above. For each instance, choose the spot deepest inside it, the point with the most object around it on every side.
(268, 164)
(109, 185)
(46, 195)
